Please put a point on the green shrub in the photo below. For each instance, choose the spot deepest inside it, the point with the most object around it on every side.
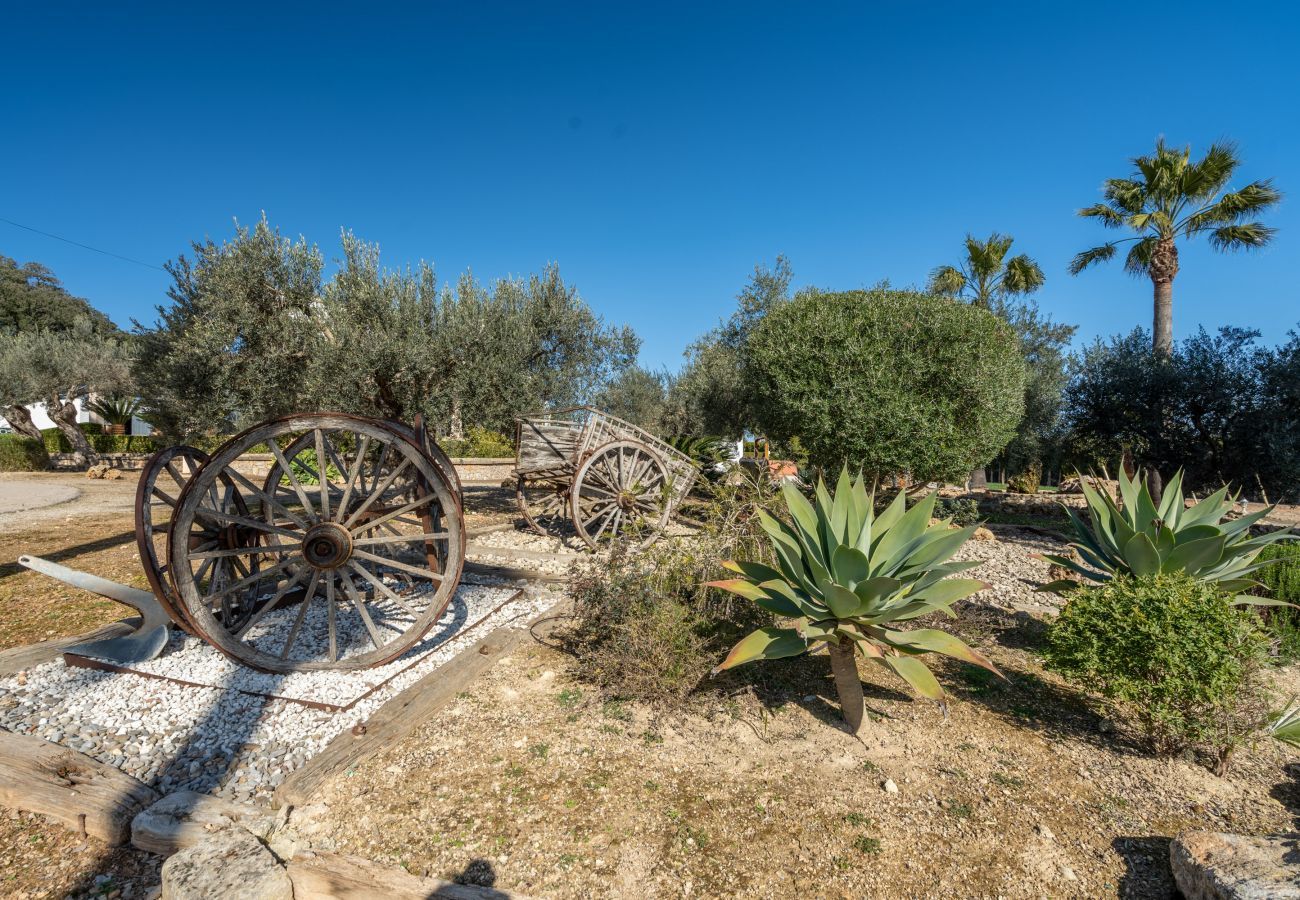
(1281, 581)
(99, 441)
(22, 454)
(962, 510)
(646, 626)
(479, 442)
(1170, 655)
(887, 381)
(1026, 482)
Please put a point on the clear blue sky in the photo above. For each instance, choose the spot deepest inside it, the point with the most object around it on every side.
(657, 152)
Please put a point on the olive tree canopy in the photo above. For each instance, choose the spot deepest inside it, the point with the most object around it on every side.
(888, 381)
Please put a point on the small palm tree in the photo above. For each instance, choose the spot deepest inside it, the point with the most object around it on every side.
(1168, 198)
(986, 274)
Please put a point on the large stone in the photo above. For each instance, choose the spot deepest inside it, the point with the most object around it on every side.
(1210, 865)
(230, 863)
(185, 818)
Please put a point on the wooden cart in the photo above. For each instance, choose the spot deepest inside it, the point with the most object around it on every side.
(612, 480)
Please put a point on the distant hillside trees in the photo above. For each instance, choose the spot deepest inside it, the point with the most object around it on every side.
(33, 299)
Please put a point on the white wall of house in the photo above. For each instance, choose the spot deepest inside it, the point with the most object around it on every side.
(41, 418)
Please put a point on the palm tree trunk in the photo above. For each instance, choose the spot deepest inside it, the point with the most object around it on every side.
(1162, 326)
(848, 686)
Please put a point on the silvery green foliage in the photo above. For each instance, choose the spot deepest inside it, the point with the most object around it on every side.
(1140, 538)
(846, 574)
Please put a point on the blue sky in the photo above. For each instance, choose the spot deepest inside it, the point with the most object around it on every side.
(656, 151)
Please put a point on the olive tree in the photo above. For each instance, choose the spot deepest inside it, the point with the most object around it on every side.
(892, 382)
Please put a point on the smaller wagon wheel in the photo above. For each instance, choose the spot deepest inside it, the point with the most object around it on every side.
(164, 476)
(543, 504)
(620, 492)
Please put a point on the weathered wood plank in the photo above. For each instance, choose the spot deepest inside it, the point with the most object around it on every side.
(16, 659)
(398, 717)
(332, 876)
(87, 796)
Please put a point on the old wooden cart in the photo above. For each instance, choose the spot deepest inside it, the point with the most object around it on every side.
(612, 480)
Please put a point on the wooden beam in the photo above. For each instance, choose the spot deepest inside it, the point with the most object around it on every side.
(87, 796)
(398, 717)
(16, 659)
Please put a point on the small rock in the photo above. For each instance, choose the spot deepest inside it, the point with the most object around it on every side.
(232, 862)
(889, 786)
(983, 534)
(1045, 832)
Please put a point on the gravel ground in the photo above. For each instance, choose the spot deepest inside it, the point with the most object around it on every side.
(1012, 571)
(219, 739)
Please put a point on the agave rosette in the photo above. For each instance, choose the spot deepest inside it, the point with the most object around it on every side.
(1142, 538)
(847, 574)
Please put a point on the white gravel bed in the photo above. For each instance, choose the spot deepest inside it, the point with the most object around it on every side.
(563, 542)
(1011, 570)
(187, 658)
(219, 740)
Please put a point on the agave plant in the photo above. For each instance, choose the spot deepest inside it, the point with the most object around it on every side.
(848, 578)
(1142, 538)
(1286, 727)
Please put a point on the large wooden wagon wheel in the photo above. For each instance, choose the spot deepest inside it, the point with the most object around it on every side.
(544, 504)
(350, 522)
(620, 493)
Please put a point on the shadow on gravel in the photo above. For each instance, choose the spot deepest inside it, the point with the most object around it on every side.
(1147, 875)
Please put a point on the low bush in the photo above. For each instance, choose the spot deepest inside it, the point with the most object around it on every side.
(1281, 581)
(479, 442)
(647, 626)
(962, 510)
(22, 454)
(1171, 655)
(100, 442)
(1026, 482)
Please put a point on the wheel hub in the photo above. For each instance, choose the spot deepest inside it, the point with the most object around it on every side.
(327, 546)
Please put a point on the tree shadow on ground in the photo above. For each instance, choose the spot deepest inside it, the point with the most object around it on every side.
(1288, 792)
(481, 874)
(107, 543)
(1147, 875)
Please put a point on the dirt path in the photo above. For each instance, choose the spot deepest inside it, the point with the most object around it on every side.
(32, 499)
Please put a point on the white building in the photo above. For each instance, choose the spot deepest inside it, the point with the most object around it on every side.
(41, 419)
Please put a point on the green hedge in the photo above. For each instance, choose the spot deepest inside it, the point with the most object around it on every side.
(22, 454)
(479, 443)
(55, 442)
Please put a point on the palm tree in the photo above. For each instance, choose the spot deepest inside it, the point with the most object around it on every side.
(1168, 198)
(986, 274)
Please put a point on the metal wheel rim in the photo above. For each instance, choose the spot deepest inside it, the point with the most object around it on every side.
(149, 498)
(368, 585)
(615, 468)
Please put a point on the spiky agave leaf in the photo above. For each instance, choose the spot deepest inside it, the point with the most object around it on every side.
(843, 573)
(1141, 538)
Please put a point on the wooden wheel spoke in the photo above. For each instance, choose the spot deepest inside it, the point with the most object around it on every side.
(397, 564)
(399, 538)
(269, 497)
(331, 613)
(378, 492)
(287, 469)
(255, 577)
(353, 472)
(322, 476)
(275, 600)
(350, 589)
(380, 586)
(302, 614)
(400, 511)
(255, 524)
(246, 551)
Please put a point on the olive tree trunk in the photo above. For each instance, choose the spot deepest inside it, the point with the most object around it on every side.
(21, 421)
(844, 666)
(64, 416)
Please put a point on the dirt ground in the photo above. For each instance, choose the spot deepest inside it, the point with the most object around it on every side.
(532, 781)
